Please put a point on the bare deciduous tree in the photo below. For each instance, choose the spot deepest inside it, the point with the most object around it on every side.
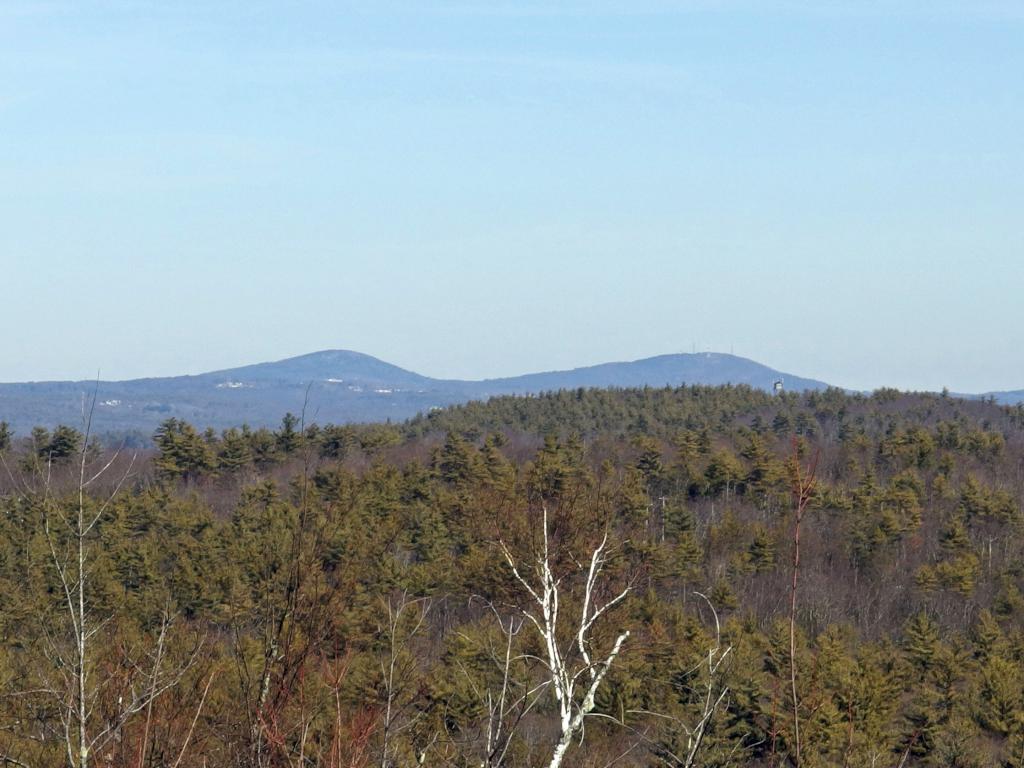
(574, 671)
(397, 671)
(77, 691)
(506, 698)
(711, 695)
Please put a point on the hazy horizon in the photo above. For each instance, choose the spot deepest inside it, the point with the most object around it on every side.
(483, 189)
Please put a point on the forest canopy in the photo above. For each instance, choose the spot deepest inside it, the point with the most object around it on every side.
(383, 594)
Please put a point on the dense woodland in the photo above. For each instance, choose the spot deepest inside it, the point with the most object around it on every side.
(584, 578)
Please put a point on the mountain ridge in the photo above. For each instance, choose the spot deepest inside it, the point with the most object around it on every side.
(341, 385)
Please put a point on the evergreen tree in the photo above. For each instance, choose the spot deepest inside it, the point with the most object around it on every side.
(183, 452)
(921, 640)
(233, 452)
(762, 551)
(288, 437)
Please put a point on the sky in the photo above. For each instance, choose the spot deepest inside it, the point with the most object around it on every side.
(474, 189)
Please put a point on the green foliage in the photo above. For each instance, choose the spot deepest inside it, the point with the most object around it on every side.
(762, 551)
(63, 443)
(183, 452)
(286, 551)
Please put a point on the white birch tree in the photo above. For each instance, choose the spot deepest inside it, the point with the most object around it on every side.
(574, 669)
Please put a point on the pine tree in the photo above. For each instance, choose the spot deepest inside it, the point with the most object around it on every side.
(1000, 708)
(954, 536)
(183, 452)
(288, 438)
(457, 461)
(233, 453)
(986, 635)
(762, 551)
(921, 640)
(498, 469)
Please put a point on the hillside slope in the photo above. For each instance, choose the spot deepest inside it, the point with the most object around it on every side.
(340, 386)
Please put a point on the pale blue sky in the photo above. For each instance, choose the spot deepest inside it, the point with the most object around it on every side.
(480, 188)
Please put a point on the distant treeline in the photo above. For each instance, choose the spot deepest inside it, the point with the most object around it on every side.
(385, 594)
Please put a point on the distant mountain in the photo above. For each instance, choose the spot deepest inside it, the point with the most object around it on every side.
(332, 364)
(704, 368)
(1007, 398)
(339, 386)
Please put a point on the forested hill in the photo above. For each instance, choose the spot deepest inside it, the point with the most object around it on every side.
(355, 595)
(704, 368)
(341, 386)
(654, 411)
